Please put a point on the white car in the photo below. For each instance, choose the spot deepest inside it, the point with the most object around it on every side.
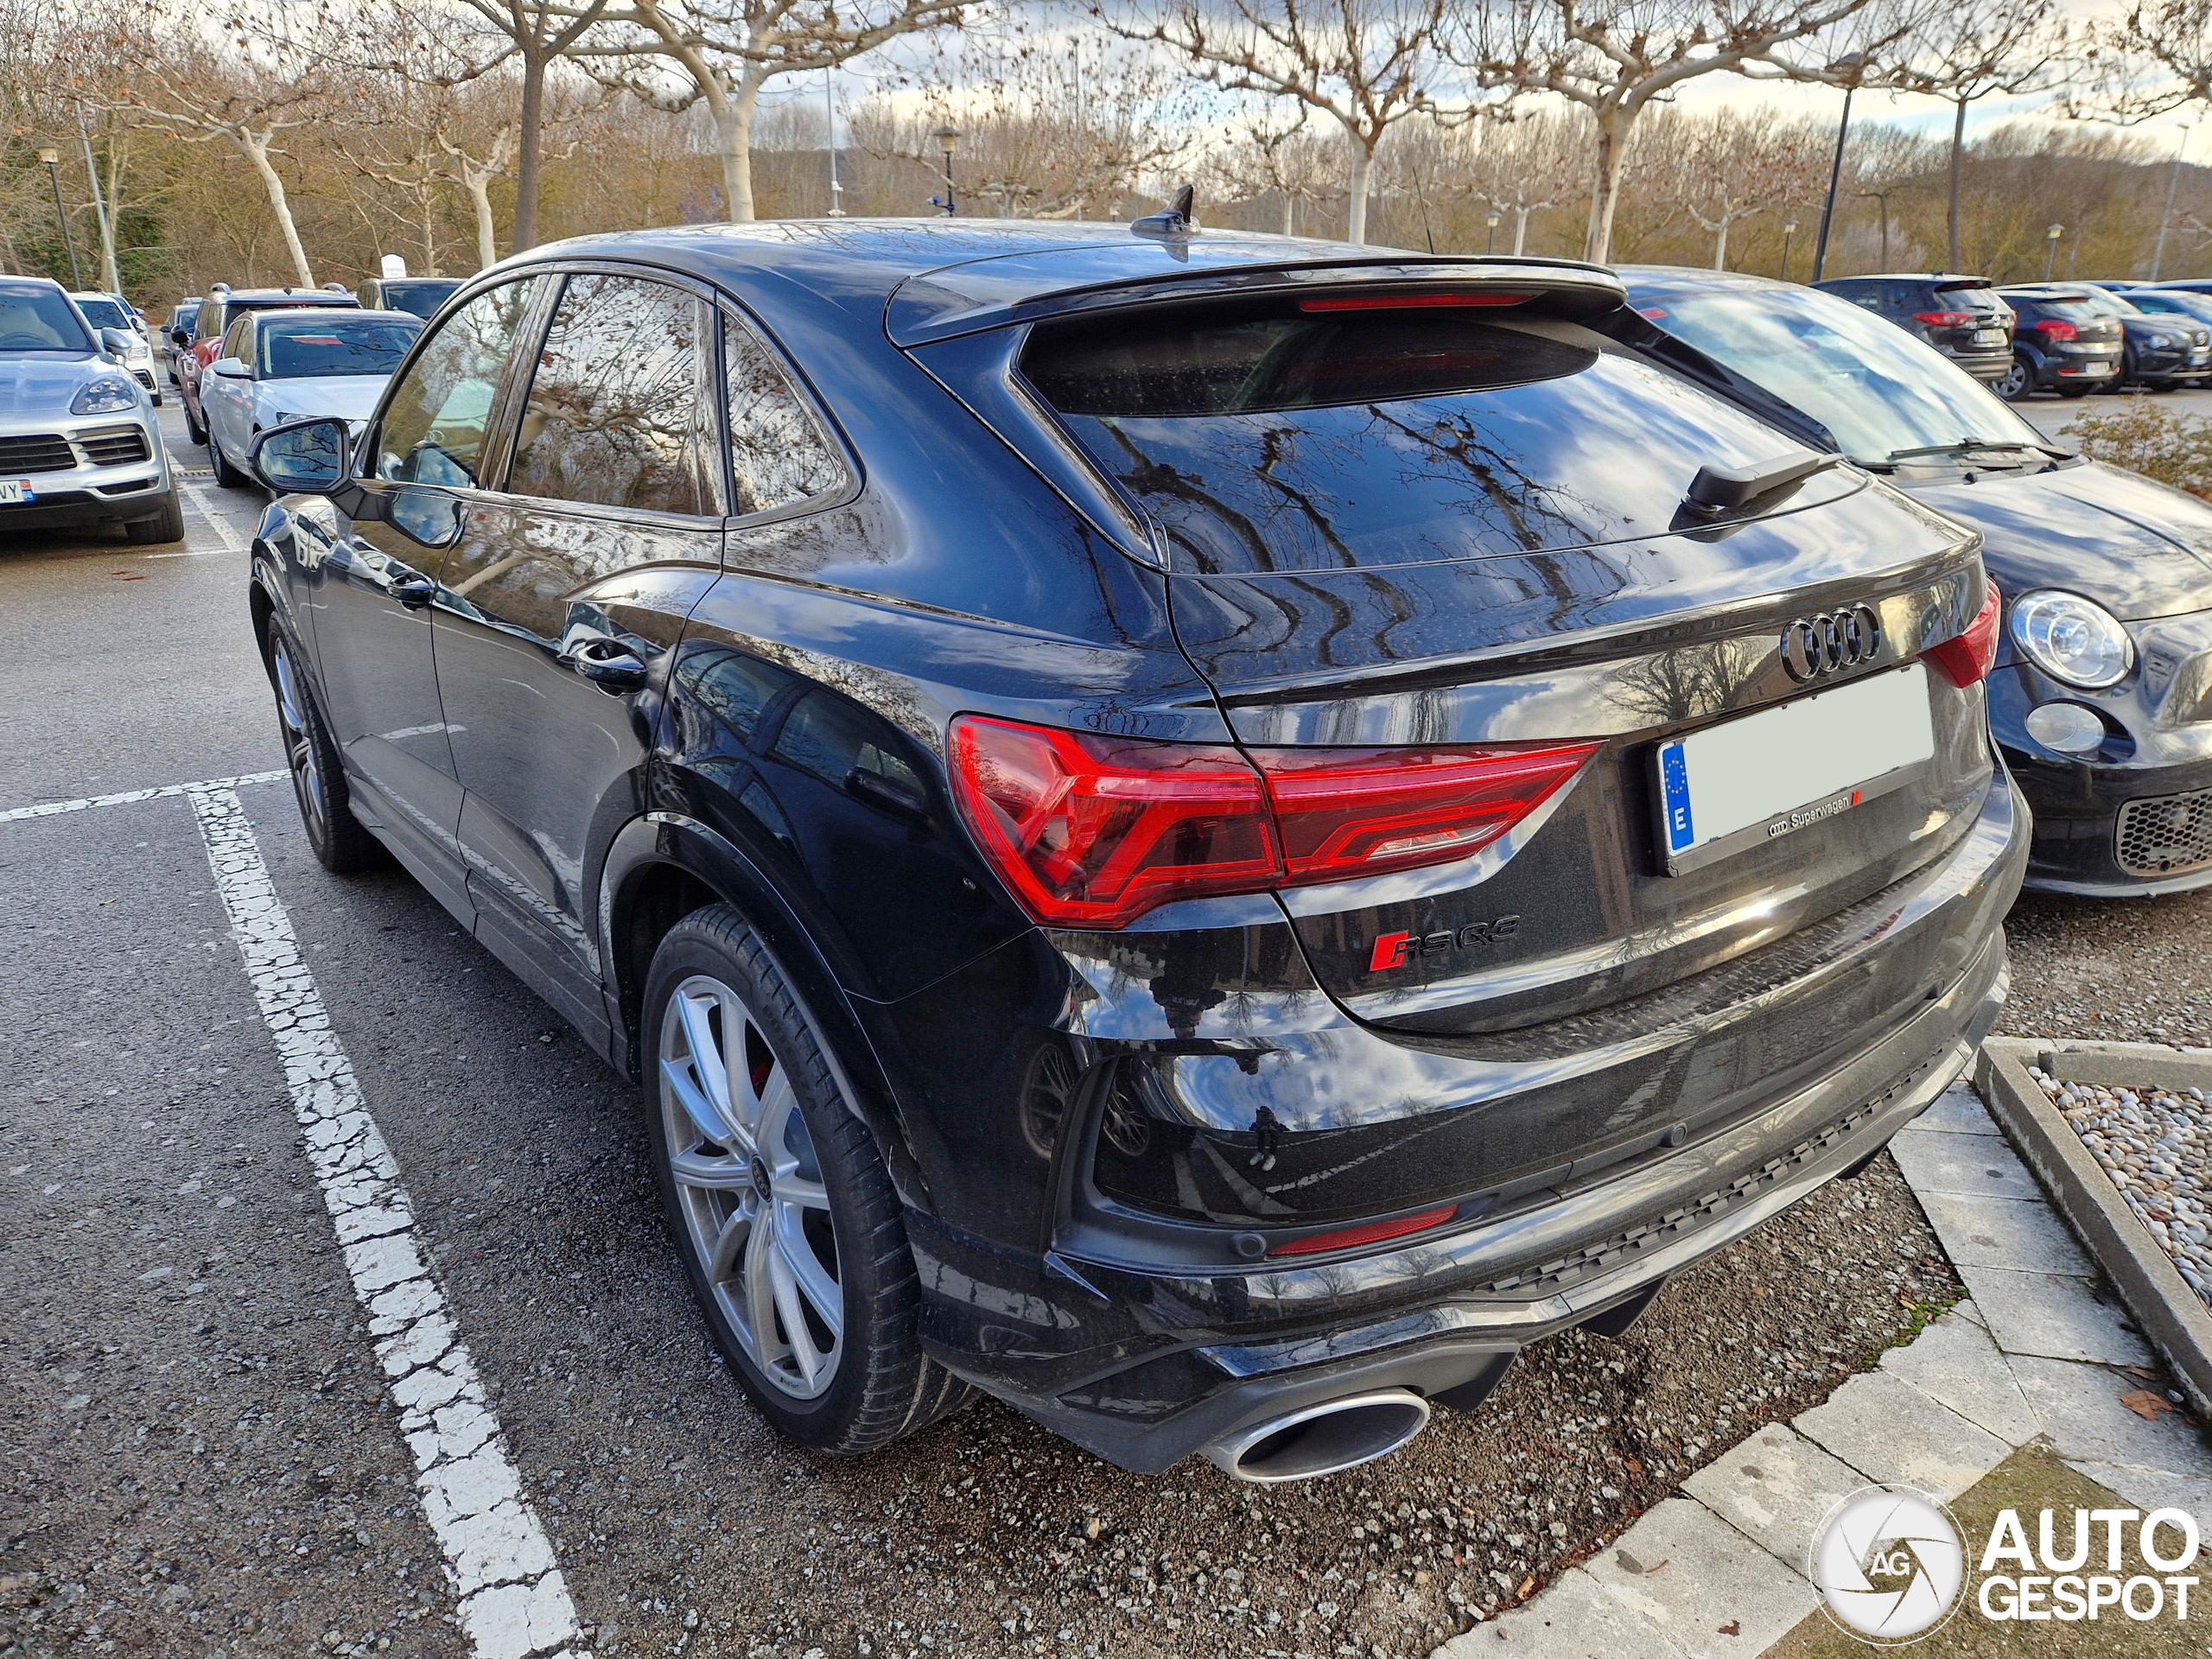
(276, 366)
(108, 311)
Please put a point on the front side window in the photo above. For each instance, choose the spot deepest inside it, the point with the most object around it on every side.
(614, 418)
(434, 420)
(777, 455)
(36, 318)
(300, 350)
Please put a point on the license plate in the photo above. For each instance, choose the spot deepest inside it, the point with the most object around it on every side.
(2200, 357)
(14, 492)
(1761, 777)
(1989, 336)
(2096, 368)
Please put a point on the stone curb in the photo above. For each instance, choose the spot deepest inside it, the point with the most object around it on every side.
(2151, 1287)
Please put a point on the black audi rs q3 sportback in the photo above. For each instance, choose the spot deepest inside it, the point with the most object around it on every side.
(1207, 834)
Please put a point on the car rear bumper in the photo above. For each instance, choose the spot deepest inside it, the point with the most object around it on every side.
(1993, 363)
(1145, 1367)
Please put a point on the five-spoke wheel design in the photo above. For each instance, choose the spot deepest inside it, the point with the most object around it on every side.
(307, 781)
(749, 1187)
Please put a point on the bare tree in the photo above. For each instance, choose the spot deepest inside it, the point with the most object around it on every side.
(1615, 58)
(1527, 163)
(1265, 158)
(1363, 63)
(1724, 167)
(534, 34)
(1981, 50)
(677, 54)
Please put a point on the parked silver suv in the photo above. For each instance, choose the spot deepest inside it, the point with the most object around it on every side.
(79, 440)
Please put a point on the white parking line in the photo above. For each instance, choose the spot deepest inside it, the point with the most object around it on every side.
(513, 1600)
(216, 522)
(48, 808)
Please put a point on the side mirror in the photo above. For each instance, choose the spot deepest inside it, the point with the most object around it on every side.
(231, 368)
(116, 342)
(303, 457)
(182, 337)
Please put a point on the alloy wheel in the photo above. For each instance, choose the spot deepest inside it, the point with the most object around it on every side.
(2014, 386)
(748, 1184)
(299, 746)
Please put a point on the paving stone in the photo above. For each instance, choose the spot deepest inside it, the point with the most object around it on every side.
(1954, 1363)
(2152, 1489)
(2053, 1315)
(1889, 1430)
(2080, 1408)
(1572, 1619)
(1957, 1110)
(1972, 1164)
(1776, 1488)
(2017, 1234)
(1709, 1588)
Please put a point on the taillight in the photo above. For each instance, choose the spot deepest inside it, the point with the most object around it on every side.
(2052, 328)
(1945, 319)
(1406, 301)
(1091, 831)
(1965, 659)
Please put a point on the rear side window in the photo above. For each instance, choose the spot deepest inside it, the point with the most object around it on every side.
(1276, 439)
(777, 455)
(614, 414)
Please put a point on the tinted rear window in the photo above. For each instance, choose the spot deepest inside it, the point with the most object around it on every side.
(2072, 310)
(423, 298)
(1274, 440)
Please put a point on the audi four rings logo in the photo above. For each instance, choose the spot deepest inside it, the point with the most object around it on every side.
(1820, 644)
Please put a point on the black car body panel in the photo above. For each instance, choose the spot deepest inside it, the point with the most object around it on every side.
(2132, 814)
(2060, 344)
(1102, 1135)
(1963, 317)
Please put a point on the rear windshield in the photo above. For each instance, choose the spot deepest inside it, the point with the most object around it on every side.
(2076, 309)
(1974, 295)
(421, 298)
(1275, 439)
(105, 313)
(297, 349)
(34, 318)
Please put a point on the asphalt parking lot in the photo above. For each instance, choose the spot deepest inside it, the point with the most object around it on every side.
(208, 1448)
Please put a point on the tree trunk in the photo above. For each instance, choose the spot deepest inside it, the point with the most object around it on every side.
(1363, 169)
(1289, 214)
(1520, 228)
(1721, 245)
(255, 146)
(526, 158)
(1958, 144)
(1605, 184)
(479, 197)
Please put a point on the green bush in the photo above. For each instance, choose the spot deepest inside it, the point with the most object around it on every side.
(2140, 436)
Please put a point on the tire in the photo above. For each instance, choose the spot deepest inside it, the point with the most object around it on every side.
(2162, 385)
(226, 474)
(167, 525)
(2017, 384)
(340, 845)
(2074, 391)
(157, 398)
(747, 1141)
(193, 428)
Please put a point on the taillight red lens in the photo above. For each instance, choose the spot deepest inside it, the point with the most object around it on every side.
(2052, 328)
(1371, 1233)
(1406, 301)
(1092, 831)
(1965, 657)
(1945, 319)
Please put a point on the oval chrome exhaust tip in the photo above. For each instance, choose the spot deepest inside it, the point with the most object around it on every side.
(1322, 1439)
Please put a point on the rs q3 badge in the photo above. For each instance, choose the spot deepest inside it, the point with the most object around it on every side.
(1391, 950)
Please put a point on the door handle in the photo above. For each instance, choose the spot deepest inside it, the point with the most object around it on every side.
(608, 664)
(414, 590)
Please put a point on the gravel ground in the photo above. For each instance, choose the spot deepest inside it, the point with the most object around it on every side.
(2153, 1143)
(2135, 971)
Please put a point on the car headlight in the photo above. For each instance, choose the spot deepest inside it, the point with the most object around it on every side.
(109, 395)
(2072, 638)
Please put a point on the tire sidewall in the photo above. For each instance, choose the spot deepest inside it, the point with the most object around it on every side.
(696, 945)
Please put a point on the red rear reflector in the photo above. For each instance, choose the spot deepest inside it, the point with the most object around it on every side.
(1965, 659)
(1092, 831)
(1404, 301)
(1344, 1238)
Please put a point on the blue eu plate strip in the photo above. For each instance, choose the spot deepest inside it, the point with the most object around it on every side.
(1674, 789)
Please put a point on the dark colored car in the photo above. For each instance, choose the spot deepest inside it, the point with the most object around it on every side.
(2101, 698)
(2165, 301)
(2161, 351)
(421, 295)
(173, 336)
(1961, 317)
(1208, 834)
(221, 308)
(2065, 342)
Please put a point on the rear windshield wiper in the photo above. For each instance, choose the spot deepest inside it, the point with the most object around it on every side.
(1723, 489)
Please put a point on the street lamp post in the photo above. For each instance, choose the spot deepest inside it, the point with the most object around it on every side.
(1789, 229)
(1490, 218)
(1857, 60)
(2049, 256)
(52, 158)
(830, 110)
(948, 140)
